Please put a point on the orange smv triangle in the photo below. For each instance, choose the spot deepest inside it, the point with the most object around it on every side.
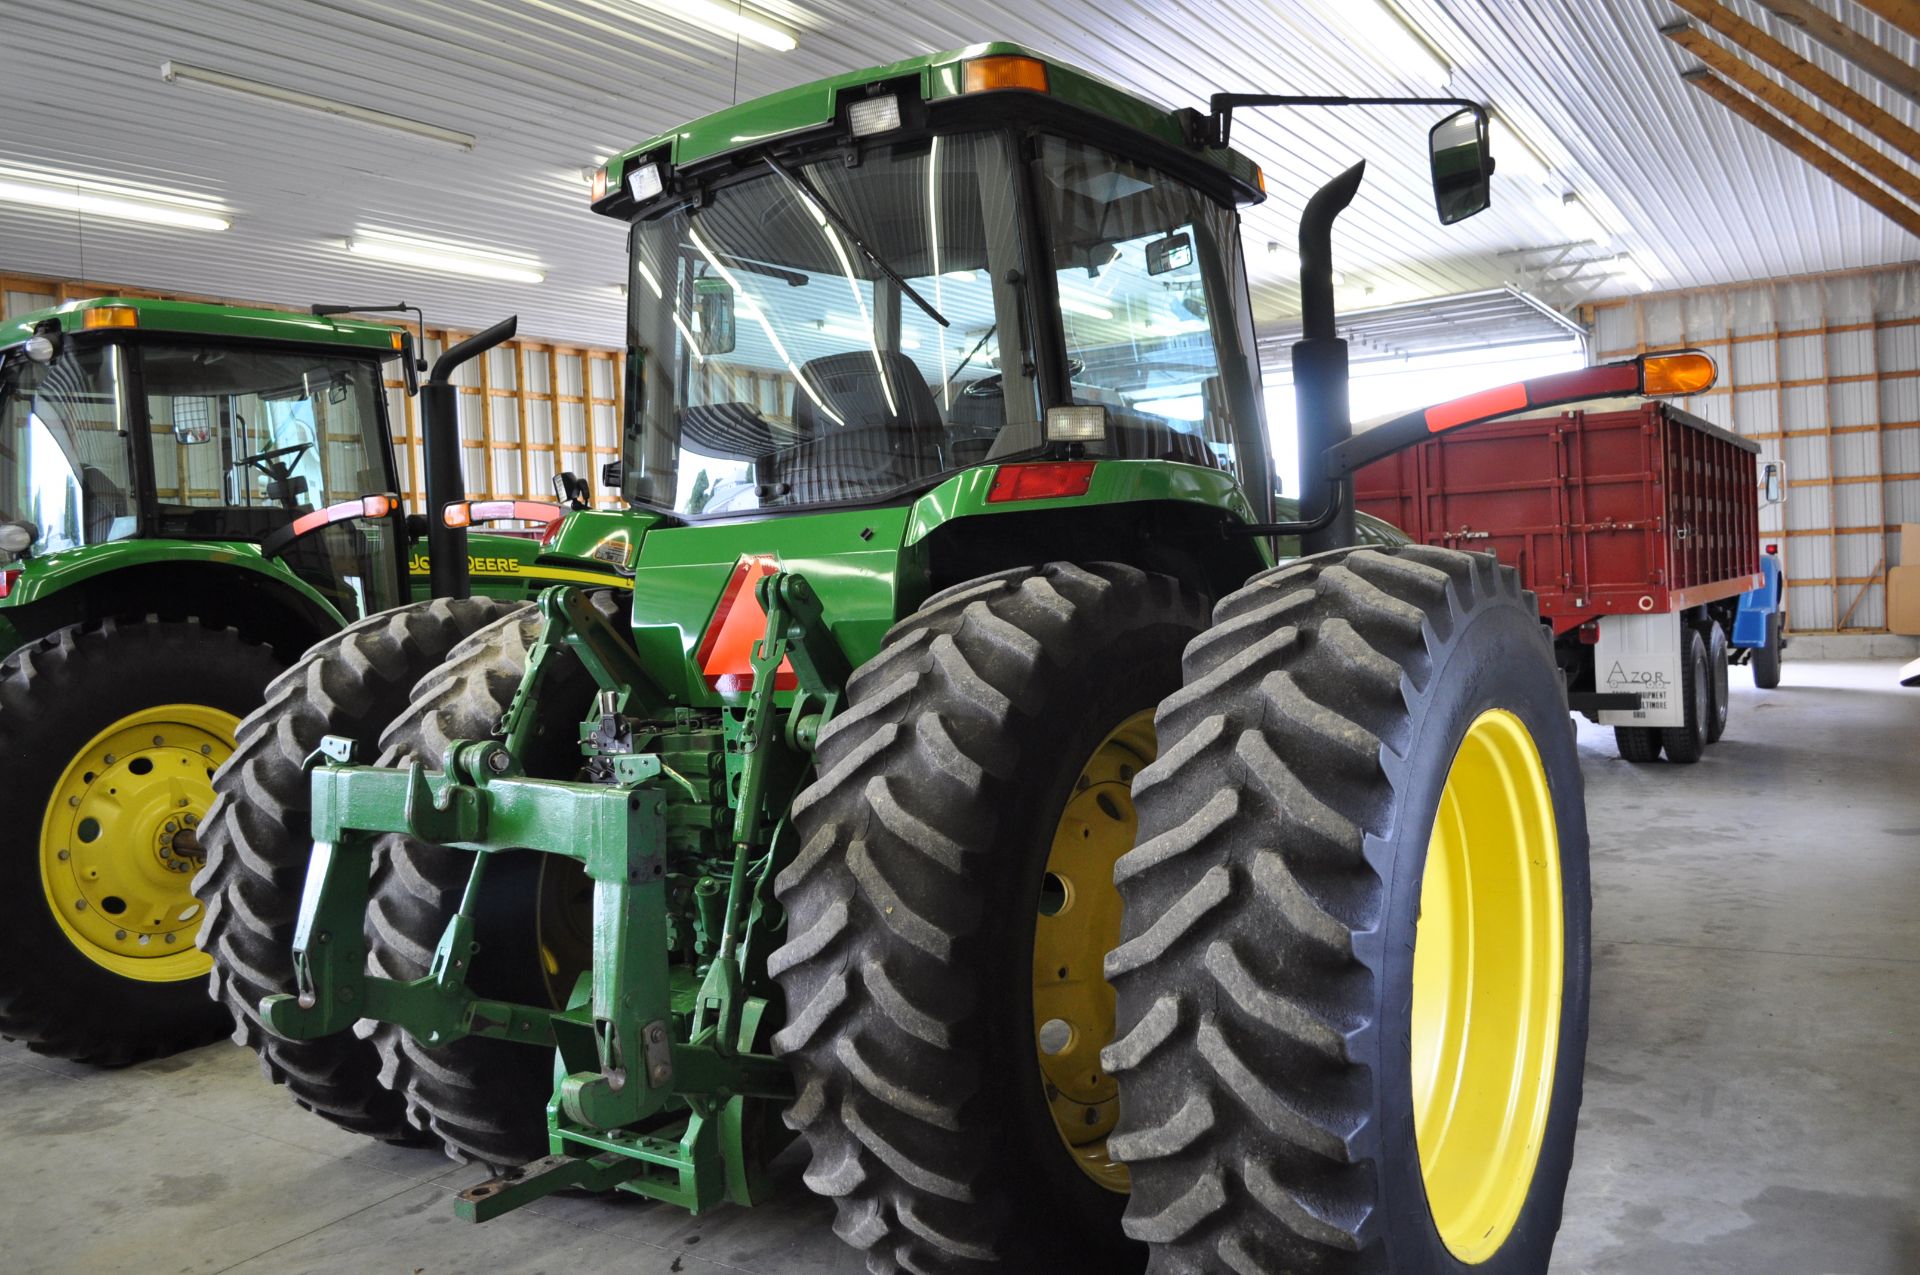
(739, 622)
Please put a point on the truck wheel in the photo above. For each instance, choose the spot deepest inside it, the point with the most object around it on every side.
(1686, 742)
(1717, 671)
(110, 732)
(258, 840)
(1353, 982)
(1637, 743)
(948, 910)
(1766, 657)
(484, 1099)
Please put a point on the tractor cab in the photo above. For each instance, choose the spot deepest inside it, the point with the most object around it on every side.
(125, 421)
(914, 271)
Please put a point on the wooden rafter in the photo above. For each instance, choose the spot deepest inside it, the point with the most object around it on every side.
(1904, 14)
(1848, 43)
(1802, 72)
(1794, 107)
(1805, 147)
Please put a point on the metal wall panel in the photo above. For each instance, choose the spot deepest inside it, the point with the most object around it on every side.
(1825, 374)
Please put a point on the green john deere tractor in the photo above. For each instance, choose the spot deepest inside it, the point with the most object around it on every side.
(191, 496)
(963, 786)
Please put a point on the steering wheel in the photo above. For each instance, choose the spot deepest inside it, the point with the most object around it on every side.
(268, 462)
(991, 385)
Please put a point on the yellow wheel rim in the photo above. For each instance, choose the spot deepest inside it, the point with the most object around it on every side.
(1079, 923)
(118, 843)
(1487, 971)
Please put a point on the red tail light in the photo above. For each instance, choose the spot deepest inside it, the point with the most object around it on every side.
(1046, 480)
(552, 530)
(6, 581)
(1773, 548)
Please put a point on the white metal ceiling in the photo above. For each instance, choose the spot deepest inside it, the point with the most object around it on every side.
(549, 85)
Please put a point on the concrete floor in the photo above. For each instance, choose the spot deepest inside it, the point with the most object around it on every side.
(1752, 1101)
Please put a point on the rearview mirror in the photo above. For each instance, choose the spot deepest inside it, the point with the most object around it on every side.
(713, 315)
(1462, 165)
(1175, 252)
(1773, 482)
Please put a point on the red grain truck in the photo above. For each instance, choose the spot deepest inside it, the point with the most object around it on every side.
(1635, 523)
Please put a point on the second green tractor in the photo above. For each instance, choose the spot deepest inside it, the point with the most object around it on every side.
(964, 785)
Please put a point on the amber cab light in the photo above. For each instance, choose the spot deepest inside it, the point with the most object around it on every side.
(1005, 71)
(7, 578)
(111, 316)
(1046, 480)
(1683, 372)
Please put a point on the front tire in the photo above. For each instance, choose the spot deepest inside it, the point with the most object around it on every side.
(1320, 1041)
(110, 732)
(948, 909)
(1766, 657)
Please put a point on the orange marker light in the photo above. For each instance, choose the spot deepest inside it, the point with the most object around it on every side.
(1005, 71)
(112, 316)
(1689, 372)
(599, 184)
(397, 339)
(458, 514)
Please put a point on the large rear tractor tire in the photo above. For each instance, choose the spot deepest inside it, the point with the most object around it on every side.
(1687, 742)
(948, 910)
(1717, 648)
(110, 732)
(258, 842)
(1353, 981)
(484, 1099)
(1766, 657)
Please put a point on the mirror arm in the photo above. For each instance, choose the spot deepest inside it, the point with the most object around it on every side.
(1217, 126)
(416, 358)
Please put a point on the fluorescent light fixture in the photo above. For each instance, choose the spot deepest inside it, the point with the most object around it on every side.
(846, 328)
(874, 115)
(428, 255)
(1579, 222)
(729, 20)
(961, 276)
(1398, 43)
(1628, 269)
(1514, 156)
(221, 81)
(1090, 307)
(93, 198)
(1184, 407)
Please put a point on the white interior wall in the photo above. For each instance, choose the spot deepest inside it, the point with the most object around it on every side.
(1825, 374)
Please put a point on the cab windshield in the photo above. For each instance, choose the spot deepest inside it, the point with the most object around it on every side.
(840, 329)
(244, 439)
(782, 365)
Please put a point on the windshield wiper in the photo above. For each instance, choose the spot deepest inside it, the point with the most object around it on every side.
(840, 223)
